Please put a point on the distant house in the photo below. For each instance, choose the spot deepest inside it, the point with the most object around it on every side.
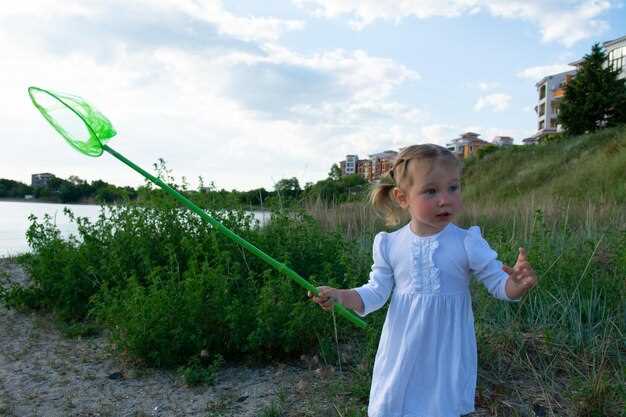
(533, 140)
(502, 141)
(381, 163)
(466, 145)
(370, 169)
(349, 165)
(40, 180)
(364, 169)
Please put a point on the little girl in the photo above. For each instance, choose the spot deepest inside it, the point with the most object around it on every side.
(425, 365)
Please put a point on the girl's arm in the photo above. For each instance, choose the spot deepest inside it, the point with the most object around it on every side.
(484, 264)
(352, 300)
(368, 297)
(375, 293)
(329, 295)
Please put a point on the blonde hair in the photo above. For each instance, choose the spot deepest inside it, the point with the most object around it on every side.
(381, 195)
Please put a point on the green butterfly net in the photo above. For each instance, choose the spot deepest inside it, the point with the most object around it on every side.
(88, 131)
(82, 126)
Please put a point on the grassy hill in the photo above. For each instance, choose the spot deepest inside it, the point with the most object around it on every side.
(577, 169)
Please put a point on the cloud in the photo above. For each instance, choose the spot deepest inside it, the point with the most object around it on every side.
(564, 23)
(487, 86)
(537, 73)
(338, 85)
(440, 134)
(211, 99)
(497, 102)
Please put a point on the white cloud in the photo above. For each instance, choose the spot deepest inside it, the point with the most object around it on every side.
(207, 109)
(537, 73)
(439, 134)
(247, 28)
(211, 11)
(565, 23)
(488, 86)
(497, 102)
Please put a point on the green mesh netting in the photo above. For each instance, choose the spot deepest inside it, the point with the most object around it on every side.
(84, 127)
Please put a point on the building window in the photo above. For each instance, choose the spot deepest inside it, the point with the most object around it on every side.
(616, 58)
(542, 109)
(552, 123)
(542, 92)
(541, 124)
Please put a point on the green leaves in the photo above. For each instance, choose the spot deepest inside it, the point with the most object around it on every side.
(167, 286)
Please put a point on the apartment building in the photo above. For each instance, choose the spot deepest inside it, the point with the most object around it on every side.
(551, 90)
(502, 141)
(364, 169)
(370, 169)
(40, 180)
(382, 162)
(616, 53)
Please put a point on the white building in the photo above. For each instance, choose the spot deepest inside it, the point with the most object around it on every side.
(502, 141)
(551, 90)
(616, 53)
(351, 164)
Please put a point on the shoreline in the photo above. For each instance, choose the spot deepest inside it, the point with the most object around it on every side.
(40, 201)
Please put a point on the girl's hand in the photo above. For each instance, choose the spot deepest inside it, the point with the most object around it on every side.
(326, 298)
(522, 277)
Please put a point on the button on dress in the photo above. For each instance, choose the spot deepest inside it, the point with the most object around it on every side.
(426, 362)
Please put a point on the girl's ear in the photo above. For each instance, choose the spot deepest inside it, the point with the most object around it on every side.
(400, 197)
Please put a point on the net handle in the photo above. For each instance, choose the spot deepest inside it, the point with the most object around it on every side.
(279, 266)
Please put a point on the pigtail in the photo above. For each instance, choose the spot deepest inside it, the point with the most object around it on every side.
(381, 198)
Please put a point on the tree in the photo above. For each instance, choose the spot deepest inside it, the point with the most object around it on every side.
(289, 187)
(335, 172)
(595, 98)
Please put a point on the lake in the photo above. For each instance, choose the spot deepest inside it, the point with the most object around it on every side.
(14, 221)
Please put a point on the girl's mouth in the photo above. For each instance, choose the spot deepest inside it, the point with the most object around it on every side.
(443, 215)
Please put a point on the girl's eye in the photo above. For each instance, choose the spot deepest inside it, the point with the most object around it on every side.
(454, 187)
(430, 191)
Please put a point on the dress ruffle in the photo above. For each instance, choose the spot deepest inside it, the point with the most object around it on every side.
(424, 274)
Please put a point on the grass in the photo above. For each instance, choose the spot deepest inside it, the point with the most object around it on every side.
(560, 351)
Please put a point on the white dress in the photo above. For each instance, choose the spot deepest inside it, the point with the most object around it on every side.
(426, 363)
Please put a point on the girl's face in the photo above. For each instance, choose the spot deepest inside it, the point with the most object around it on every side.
(433, 199)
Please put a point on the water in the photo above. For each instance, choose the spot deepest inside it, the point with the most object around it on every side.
(14, 221)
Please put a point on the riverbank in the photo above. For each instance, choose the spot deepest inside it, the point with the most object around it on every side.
(25, 200)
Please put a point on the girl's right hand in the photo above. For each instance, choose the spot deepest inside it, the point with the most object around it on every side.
(326, 298)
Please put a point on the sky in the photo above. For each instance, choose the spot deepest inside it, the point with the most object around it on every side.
(245, 93)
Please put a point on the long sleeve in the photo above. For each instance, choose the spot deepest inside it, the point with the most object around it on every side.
(483, 263)
(376, 291)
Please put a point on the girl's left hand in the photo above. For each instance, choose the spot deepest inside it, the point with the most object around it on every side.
(522, 276)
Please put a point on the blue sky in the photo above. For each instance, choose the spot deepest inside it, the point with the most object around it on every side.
(244, 93)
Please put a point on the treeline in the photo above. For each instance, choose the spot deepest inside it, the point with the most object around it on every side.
(287, 192)
(72, 190)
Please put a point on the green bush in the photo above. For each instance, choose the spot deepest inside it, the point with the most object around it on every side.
(167, 286)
